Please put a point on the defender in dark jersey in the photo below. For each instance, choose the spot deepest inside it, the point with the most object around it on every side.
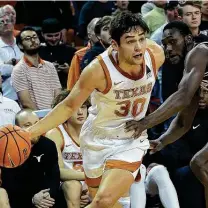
(184, 101)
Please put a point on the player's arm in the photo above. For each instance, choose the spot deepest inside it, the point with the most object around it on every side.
(92, 78)
(195, 66)
(65, 174)
(181, 123)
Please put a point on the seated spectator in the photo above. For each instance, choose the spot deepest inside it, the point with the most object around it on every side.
(121, 5)
(10, 54)
(8, 109)
(147, 7)
(102, 32)
(204, 20)
(90, 10)
(156, 17)
(171, 11)
(35, 81)
(54, 51)
(191, 15)
(10, 11)
(74, 71)
(36, 182)
(66, 138)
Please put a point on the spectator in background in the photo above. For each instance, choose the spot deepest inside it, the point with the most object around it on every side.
(171, 11)
(121, 5)
(36, 182)
(54, 51)
(102, 32)
(74, 71)
(66, 138)
(93, 9)
(8, 109)
(191, 15)
(156, 17)
(35, 81)
(147, 7)
(204, 19)
(10, 11)
(10, 54)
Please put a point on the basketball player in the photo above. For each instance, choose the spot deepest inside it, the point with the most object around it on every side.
(120, 82)
(184, 101)
(66, 138)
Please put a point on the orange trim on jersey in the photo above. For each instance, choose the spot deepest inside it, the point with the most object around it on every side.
(62, 136)
(153, 61)
(93, 182)
(73, 140)
(125, 74)
(118, 164)
(107, 75)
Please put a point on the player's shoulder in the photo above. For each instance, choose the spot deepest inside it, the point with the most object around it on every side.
(55, 135)
(201, 48)
(157, 52)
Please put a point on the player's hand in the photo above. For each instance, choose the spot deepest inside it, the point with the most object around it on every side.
(155, 146)
(43, 200)
(134, 126)
(84, 199)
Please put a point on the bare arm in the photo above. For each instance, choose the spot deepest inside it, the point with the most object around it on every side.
(181, 124)
(65, 174)
(25, 100)
(92, 77)
(195, 66)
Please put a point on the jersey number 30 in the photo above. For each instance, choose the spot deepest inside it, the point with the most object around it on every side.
(126, 105)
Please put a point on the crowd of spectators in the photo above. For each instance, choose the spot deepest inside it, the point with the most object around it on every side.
(44, 47)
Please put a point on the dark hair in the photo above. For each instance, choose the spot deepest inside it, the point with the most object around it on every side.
(27, 28)
(180, 26)
(51, 25)
(61, 96)
(101, 23)
(123, 22)
(171, 5)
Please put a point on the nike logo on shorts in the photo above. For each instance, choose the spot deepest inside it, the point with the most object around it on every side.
(195, 127)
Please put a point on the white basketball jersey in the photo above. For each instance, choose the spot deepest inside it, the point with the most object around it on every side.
(71, 154)
(126, 98)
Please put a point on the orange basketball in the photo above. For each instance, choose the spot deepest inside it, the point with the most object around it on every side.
(15, 146)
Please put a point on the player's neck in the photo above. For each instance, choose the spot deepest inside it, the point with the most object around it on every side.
(130, 69)
(74, 130)
(195, 31)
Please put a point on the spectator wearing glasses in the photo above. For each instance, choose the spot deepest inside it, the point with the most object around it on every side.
(35, 81)
(10, 53)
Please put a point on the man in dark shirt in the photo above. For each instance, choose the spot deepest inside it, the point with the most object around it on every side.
(36, 182)
(102, 28)
(54, 51)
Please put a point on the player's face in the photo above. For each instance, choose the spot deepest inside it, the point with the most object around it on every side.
(132, 46)
(52, 39)
(191, 16)
(174, 45)
(203, 103)
(79, 117)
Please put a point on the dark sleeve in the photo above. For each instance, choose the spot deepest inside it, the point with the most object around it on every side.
(86, 15)
(88, 57)
(52, 172)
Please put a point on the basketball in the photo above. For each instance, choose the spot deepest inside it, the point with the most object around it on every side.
(15, 146)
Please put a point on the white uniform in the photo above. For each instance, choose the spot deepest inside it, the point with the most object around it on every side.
(71, 154)
(103, 137)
